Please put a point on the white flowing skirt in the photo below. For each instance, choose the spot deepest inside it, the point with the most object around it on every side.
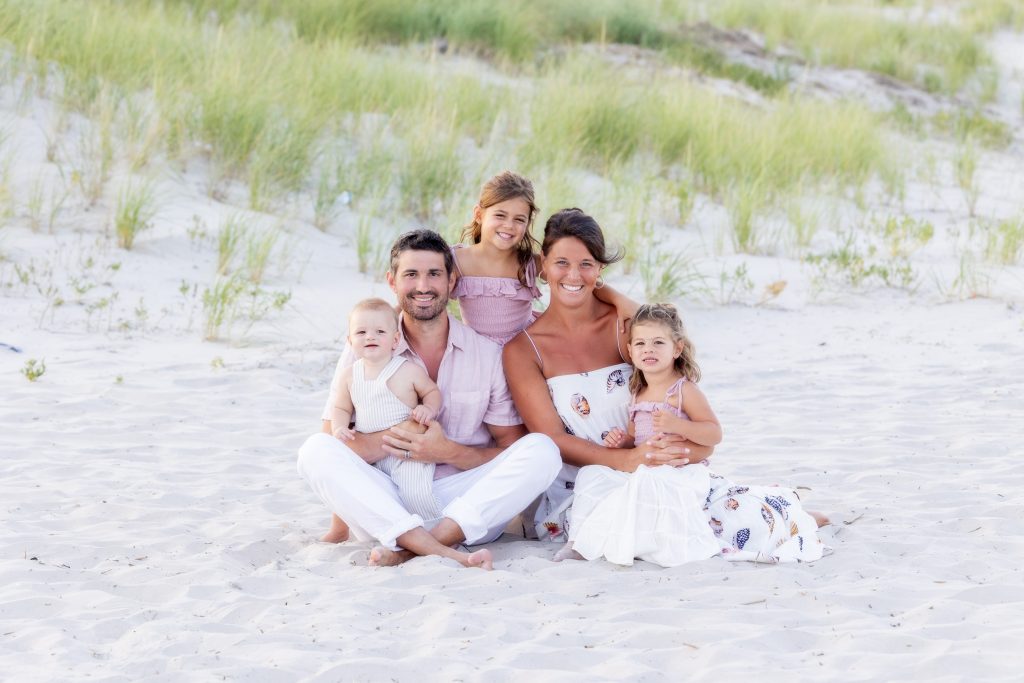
(671, 516)
(654, 514)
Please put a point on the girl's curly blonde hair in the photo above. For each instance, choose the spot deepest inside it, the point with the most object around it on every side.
(667, 315)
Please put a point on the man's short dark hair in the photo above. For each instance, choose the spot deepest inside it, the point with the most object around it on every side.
(422, 240)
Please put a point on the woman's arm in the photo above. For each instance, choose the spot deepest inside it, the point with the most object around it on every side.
(533, 401)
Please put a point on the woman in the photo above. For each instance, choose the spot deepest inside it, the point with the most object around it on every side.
(568, 373)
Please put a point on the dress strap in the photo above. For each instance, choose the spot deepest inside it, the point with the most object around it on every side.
(390, 369)
(455, 259)
(615, 324)
(535, 350)
(676, 388)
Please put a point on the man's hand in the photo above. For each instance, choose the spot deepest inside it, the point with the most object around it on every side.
(430, 446)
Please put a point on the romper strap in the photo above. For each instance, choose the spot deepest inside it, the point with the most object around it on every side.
(390, 369)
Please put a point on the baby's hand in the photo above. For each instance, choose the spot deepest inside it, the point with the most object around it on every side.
(423, 414)
(615, 438)
(344, 434)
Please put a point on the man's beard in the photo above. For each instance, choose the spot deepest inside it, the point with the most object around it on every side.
(417, 311)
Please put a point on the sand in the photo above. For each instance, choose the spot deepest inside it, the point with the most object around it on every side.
(154, 526)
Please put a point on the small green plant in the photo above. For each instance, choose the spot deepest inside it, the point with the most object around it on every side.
(734, 285)
(668, 277)
(231, 298)
(34, 369)
(229, 241)
(1005, 240)
(133, 213)
(905, 235)
(220, 304)
(257, 252)
(966, 165)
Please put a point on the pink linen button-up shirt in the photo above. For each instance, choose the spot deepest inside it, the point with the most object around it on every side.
(474, 392)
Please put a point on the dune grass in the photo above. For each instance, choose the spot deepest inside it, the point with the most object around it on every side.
(262, 87)
(937, 56)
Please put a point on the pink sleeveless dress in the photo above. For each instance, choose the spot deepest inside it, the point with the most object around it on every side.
(498, 308)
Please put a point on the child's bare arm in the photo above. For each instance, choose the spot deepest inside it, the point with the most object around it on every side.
(429, 396)
(702, 427)
(341, 411)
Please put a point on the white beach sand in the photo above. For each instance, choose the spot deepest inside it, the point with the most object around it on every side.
(154, 528)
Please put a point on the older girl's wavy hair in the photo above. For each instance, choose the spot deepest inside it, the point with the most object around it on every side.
(501, 188)
(668, 316)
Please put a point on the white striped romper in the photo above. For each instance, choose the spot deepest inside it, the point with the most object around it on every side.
(376, 409)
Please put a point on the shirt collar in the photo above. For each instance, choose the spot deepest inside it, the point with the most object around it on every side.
(457, 336)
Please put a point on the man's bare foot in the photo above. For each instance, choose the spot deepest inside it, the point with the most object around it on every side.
(480, 558)
(820, 518)
(386, 557)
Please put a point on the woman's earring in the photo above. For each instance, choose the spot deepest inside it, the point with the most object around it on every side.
(599, 283)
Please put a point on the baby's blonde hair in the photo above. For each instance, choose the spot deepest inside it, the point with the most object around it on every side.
(374, 304)
(668, 316)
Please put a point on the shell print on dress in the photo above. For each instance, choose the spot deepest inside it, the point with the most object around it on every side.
(779, 503)
(604, 434)
(716, 526)
(580, 404)
(615, 379)
(732, 504)
(737, 490)
(741, 538)
(568, 430)
(768, 517)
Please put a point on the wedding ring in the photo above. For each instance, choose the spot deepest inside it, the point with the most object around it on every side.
(408, 455)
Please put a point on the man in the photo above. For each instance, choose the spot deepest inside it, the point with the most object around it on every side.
(488, 468)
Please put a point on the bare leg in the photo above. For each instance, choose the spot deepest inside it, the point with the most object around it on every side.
(338, 531)
(438, 541)
(820, 518)
(421, 542)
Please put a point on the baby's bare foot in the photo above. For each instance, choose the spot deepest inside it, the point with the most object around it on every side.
(481, 559)
(820, 518)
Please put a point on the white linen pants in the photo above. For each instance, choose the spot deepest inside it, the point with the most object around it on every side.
(481, 501)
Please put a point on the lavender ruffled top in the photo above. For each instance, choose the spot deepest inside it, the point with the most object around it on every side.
(498, 308)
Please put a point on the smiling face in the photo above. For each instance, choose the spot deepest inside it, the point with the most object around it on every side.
(651, 347)
(571, 271)
(373, 334)
(421, 283)
(503, 225)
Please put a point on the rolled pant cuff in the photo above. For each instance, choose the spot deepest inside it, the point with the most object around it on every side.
(469, 520)
(389, 537)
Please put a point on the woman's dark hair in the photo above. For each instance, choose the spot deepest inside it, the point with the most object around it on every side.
(574, 223)
(422, 240)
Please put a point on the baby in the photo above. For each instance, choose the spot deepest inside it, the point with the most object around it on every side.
(385, 390)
